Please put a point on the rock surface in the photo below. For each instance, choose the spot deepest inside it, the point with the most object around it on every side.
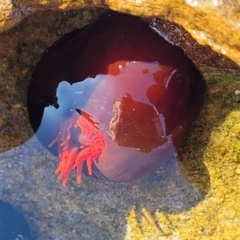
(12, 12)
(194, 197)
(215, 23)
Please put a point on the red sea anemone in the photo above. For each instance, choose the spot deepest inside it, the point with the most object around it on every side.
(114, 98)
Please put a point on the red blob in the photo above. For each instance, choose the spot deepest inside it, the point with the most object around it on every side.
(114, 98)
(90, 147)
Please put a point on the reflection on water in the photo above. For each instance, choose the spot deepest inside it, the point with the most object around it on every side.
(112, 123)
(122, 124)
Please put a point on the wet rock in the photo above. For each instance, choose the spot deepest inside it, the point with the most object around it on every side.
(214, 23)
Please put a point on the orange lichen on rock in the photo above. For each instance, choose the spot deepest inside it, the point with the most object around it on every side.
(74, 152)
